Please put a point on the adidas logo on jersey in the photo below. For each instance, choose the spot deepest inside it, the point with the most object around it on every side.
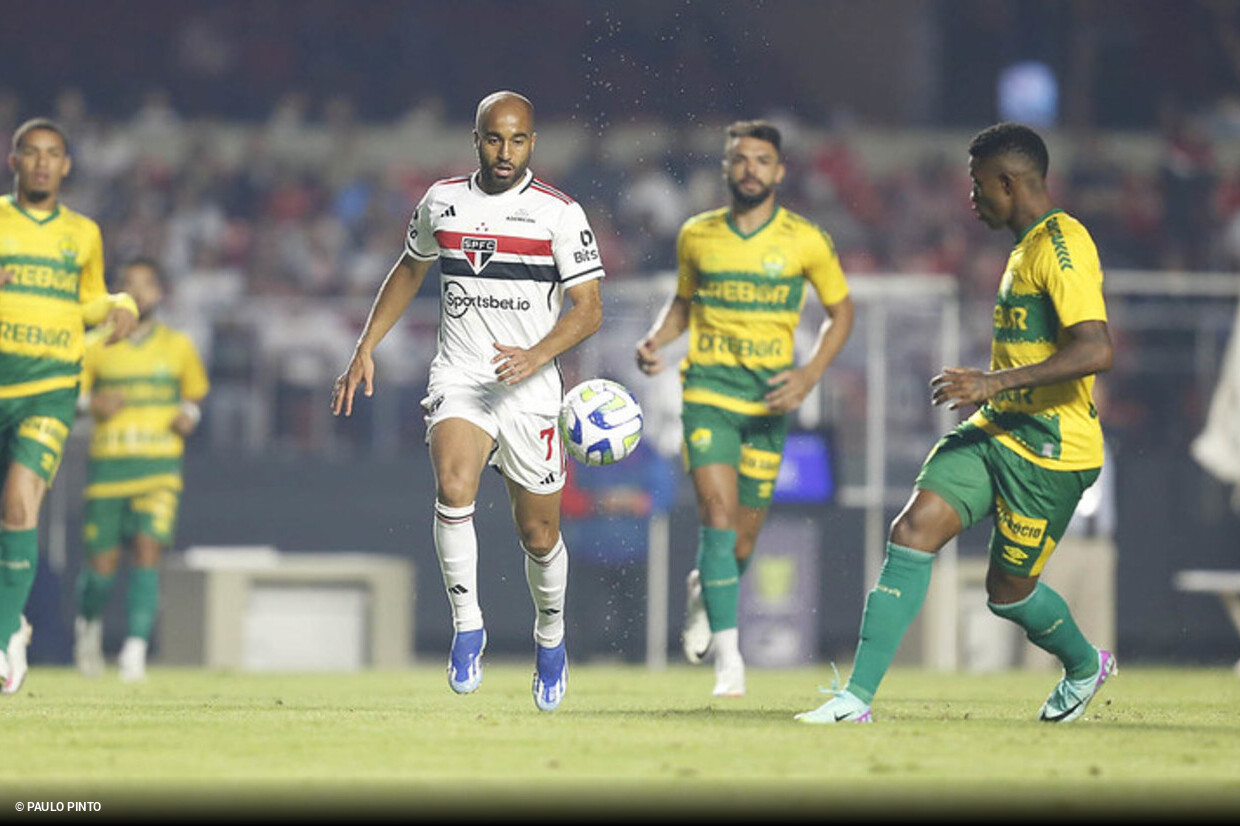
(450, 212)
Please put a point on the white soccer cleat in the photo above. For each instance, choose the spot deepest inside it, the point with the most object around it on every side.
(695, 638)
(15, 654)
(132, 660)
(88, 646)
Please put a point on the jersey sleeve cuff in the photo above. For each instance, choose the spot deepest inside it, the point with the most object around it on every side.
(582, 277)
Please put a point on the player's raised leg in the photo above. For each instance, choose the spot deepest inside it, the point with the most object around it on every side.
(928, 522)
(458, 453)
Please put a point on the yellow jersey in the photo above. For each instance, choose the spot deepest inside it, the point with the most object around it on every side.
(136, 450)
(746, 293)
(55, 261)
(1053, 280)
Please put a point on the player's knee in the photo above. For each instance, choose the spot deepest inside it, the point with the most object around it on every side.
(715, 513)
(105, 562)
(910, 531)
(456, 490)
(539, 538)
(21, 508)
(1003, 588)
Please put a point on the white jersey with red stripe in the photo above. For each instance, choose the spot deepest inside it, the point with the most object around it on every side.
(505, 261)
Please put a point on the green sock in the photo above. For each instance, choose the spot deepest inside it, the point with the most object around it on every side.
(721, 584)
(143, 600)
(19, 560)
(1049, 625)
(889, 610)
(742, 565)
(93, 590)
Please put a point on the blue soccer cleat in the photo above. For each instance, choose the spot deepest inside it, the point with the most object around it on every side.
(465, 661)
(550, 676)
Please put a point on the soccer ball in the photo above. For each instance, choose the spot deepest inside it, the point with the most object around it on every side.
(600, 422)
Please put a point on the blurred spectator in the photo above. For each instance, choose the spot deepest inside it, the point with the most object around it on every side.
(1187, 177)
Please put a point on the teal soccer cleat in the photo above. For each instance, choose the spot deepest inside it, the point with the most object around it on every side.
(1070, 697)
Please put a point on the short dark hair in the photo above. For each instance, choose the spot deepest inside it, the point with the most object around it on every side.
(145, 261)
(20, 133)
(1011, 139)
(763, 130)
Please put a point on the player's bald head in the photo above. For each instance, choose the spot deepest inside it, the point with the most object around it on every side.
(503, 103)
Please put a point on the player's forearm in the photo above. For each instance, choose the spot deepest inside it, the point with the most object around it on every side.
(398, 289)
(97, 309)
(833, 334)
(582, 320)
(671, 322)
(1084, 355)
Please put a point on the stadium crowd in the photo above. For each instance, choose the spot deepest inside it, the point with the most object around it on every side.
(311, 202)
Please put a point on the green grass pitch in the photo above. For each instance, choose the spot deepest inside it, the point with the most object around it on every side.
(626, 740)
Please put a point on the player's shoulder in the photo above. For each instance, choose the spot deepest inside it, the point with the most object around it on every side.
(172, 336)
(447, 188)
(1062, 242)
(804, 230)
(77, 220)
(712, 220)
(796, 221)
(452, 182)
(538, 187)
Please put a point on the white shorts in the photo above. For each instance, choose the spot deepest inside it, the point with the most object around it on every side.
(527, 445)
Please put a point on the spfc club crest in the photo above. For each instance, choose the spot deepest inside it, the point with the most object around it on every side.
(478, 251)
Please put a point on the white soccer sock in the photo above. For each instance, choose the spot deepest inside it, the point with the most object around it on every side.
(456, 544)
(548, 580)
(726, 644)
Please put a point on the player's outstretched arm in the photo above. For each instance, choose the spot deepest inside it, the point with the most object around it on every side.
(398, 289)
(582, 320)
(1087, 352)
(672, 320)
(790, 387)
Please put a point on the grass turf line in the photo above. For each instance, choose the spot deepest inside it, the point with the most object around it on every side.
(1155, 740)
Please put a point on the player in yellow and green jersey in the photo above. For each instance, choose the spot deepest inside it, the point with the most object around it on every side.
(143, 395)
(51, 289)
(744, 273)
(1025, 456)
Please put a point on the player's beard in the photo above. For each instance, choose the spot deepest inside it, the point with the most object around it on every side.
(747, 199)
(38, 196)
(495, 183)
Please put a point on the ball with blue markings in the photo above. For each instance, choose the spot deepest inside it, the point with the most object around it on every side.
(600, 422)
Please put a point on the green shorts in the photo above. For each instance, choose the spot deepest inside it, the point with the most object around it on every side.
(114, 521)
(1031, 505)
(33, 430)
(754, 445)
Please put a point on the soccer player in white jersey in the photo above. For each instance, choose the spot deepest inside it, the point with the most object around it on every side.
(510, 247)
